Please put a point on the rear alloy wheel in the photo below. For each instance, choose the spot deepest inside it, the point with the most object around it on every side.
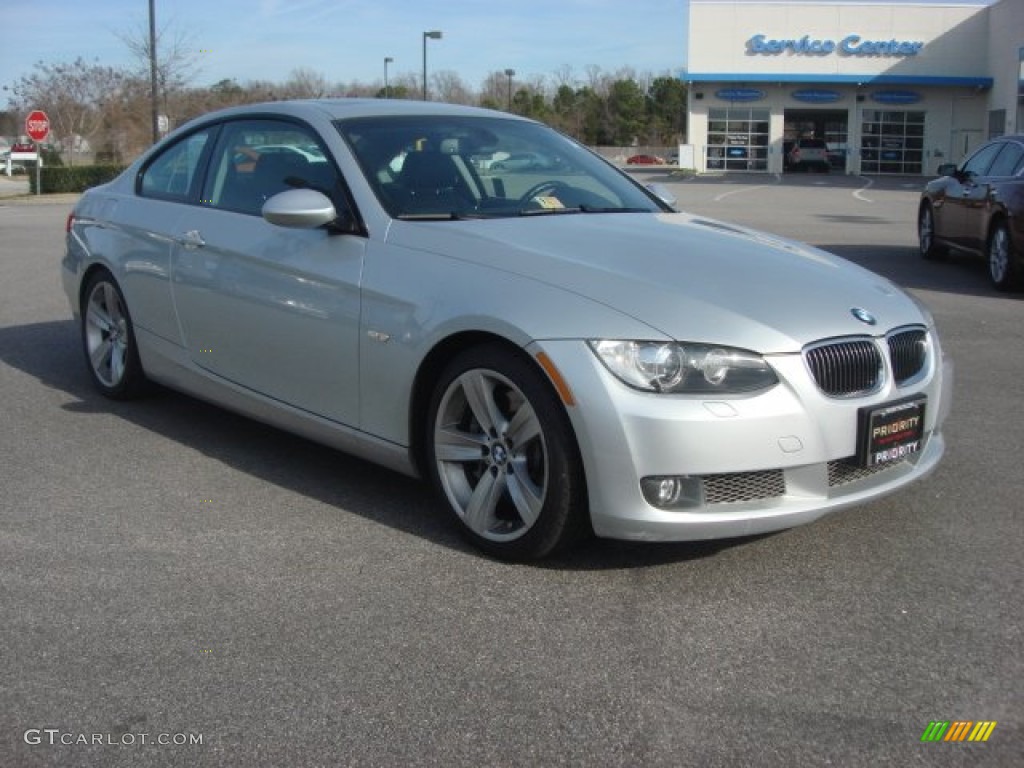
(926, 234)
(503, 454)
(108, 340)
(1004, 272)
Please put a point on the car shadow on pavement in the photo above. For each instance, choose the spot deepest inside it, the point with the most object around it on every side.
(959, 273)
(49, 352)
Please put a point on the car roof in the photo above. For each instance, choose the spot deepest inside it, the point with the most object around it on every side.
(336, 109)
(332, 109)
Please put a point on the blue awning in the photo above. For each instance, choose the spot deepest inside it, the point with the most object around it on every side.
(760, 77)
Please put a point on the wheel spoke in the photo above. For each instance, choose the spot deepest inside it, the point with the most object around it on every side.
(479, 391)
(528, 499)
(524, 426)
(459, 447)
(117, 362)
(99, 356)
(97, 317)
(112, 304)
(480, 512)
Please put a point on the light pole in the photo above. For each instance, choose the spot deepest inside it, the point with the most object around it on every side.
(510, 73)
(153, 95)
(434, 34)
(387, 60)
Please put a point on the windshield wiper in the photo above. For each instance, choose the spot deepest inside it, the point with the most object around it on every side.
(439, 216)
(549, 211)
(583, 209)
(612, 209)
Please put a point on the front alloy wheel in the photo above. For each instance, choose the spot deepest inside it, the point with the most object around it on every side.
(502, 453)
(108, 339)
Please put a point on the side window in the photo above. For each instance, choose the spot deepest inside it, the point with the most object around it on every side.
(256, 159)
(980, 160)
(1008, 160)
(171, 174)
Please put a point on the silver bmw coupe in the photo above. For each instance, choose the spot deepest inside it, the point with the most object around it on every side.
(552, 344)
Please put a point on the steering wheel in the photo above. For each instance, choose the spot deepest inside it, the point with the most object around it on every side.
(549, 186)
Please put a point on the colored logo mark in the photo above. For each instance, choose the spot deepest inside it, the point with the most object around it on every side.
(958, 730)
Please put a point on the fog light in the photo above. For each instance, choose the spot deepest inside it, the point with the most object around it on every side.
(670, 492)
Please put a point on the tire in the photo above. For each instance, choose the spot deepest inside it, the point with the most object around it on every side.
(1004, 271)
(503, 455)
(108, 340)
(930, 250)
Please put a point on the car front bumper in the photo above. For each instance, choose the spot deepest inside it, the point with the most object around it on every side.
(762, 463)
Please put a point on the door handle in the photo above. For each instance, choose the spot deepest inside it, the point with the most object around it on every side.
(192, 239)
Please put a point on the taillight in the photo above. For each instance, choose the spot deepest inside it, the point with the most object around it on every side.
(69, 223)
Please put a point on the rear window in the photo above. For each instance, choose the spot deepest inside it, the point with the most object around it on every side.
(812, 144)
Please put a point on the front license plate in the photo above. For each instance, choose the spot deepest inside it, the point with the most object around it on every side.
(891, 432)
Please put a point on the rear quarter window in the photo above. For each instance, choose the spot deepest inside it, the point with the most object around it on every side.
(172, 174)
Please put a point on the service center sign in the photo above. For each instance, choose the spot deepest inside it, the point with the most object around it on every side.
(851, 45)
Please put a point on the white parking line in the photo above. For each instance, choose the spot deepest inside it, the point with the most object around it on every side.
(719, 198)
(868, 183)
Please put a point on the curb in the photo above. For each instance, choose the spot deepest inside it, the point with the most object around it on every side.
(52, 199)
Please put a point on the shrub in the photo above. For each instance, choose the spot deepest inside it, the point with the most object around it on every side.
(50, 156)
(73, 179)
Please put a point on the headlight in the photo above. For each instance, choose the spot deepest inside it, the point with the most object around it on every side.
(684, 368)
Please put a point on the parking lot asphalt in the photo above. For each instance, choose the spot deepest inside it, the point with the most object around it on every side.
(168, 568)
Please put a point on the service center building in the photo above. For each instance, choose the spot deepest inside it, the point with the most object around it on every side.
(891, 88)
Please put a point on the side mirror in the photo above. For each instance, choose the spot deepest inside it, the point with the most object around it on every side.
(299, 209)
(662, 193)
(947, 169)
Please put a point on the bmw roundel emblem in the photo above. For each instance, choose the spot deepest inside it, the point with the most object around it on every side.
(863, 315)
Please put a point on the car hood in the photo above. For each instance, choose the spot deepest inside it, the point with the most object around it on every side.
(687, 277)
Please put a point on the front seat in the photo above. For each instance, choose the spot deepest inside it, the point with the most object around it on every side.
(433, 184)
(277, 171)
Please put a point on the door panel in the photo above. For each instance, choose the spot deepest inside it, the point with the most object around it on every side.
(275, 310)
(967, 199)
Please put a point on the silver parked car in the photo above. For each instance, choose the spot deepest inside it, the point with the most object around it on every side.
(556, 348)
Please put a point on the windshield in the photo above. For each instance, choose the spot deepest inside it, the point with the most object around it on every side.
(445, 167)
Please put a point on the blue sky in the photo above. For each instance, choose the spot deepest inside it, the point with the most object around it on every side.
(347, 40)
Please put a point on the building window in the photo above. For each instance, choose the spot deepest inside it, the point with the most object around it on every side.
(737, 139)
(996, 123)
(892, 141)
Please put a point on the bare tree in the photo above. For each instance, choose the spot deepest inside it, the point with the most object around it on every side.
(564, 75)
(597, 81)
(305, 83)
(494, 90)
(76, 96)
(177, 62)
(448, 86)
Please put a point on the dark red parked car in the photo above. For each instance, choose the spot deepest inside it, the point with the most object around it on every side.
(979, 208)
(644, 160)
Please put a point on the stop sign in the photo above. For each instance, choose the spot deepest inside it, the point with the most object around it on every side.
(37, 125)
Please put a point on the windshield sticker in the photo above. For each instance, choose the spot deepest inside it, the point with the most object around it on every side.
(546, 201)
